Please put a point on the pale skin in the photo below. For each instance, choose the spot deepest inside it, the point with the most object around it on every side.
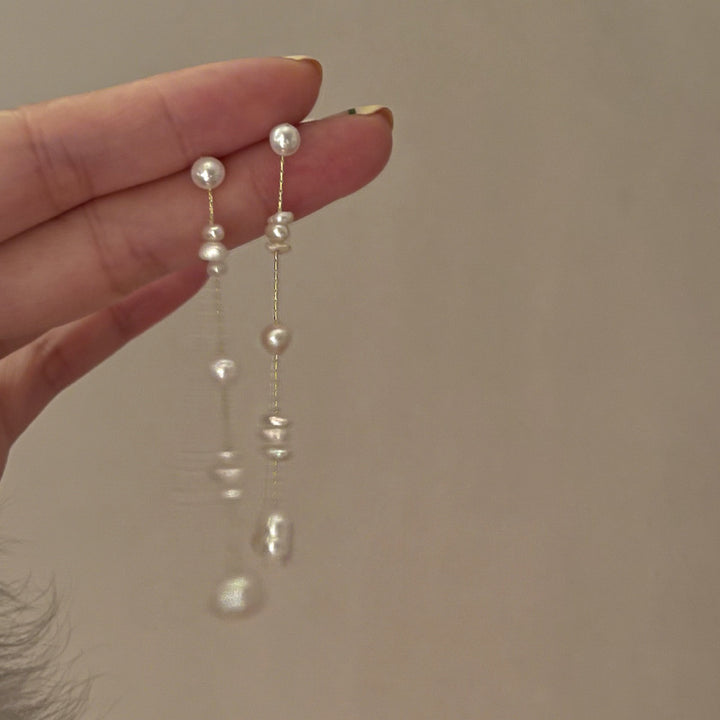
(99, 221)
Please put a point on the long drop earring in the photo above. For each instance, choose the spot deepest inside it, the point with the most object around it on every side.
(239, 592)
(273, 536)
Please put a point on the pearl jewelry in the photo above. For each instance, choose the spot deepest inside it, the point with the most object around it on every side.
(215, 269)
(276, 452)
(275, 420)
(284, 217)
(207, 173)
(275, 338)
(238, 595)
(274, 435)
(284, 139)
(273, 536)
(213, 252)
(280, 248)
(223, 370)
(213, 233)
(277, 231)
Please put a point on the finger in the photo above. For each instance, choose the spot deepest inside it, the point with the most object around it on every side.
(32, 376)
(92, 256)
(60, 154)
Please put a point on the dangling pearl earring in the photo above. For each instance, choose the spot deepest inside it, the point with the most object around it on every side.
(273, 534)
(239, 592)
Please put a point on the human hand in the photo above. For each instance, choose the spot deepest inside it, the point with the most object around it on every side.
(99, 220)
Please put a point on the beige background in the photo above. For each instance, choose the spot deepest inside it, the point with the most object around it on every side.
(504, 380)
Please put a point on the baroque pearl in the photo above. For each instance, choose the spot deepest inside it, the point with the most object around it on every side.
(213, 252)
(274, 435)
(207, 173)
(277, 231)
(284, 139)
(273, 536)
(213, 233)
(238, 595)
(275, 338)
(223, 370)
(284, 217)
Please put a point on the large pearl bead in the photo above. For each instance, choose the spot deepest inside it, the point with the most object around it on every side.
(284, 139)
(207, 173)
(275, 338)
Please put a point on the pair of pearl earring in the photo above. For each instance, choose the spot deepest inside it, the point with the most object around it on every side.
(240, 592)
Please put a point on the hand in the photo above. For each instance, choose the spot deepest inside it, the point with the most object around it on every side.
(99, 220)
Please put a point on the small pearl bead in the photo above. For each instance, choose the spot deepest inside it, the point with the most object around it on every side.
(277, 232)
(285, 217)
(275, 452)
(275, 420)
(207, 173)
(213, 233)
(215, 269)
(284, 139)
(213, 252)
(274, 435)
(275, 338)
(278, 247)
(223, 370)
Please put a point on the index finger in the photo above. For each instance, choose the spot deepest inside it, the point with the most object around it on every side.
(60, 154)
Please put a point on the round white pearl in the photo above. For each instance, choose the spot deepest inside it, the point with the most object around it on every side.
(275, 338)
(223, 370)
(215, 269)
(207, 173)
(284, 139)
(277, 231)
(284, 217)
(213, 233)
(213, 252)
(239, 594)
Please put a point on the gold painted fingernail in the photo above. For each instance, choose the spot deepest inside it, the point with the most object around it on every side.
(386, 112)
(306, 58)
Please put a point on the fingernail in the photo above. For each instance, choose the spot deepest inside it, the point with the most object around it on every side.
(386, 112)
(306, 58)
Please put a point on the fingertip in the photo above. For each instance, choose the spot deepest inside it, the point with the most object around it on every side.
(308, 62)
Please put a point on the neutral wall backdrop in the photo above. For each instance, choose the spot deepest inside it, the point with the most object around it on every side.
(504, 380)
